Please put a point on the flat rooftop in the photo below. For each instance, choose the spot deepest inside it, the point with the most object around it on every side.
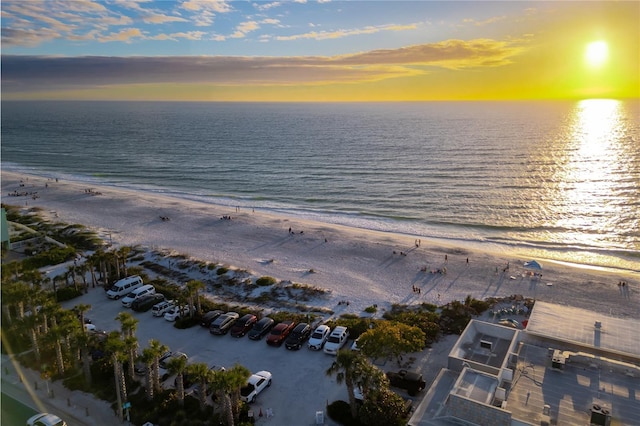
(476, 386)
(571, 391)
(493, 357)
(577, 326)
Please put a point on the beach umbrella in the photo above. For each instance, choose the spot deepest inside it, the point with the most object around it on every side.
(532, 264)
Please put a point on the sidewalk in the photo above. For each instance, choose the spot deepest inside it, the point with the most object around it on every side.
(75, 407)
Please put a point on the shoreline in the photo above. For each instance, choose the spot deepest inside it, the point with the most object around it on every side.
(355, 264)
(613, 260)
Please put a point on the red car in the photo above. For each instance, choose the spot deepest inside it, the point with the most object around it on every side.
(280, 332)
(243, 325)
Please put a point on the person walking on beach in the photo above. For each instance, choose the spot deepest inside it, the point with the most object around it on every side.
(446, 259)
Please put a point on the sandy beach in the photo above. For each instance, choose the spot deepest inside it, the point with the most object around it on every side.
(360, 266)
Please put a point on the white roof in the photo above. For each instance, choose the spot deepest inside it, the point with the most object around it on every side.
(617, 335)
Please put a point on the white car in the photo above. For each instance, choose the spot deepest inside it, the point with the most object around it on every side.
(319, 336)
(44, 419)
(257, 383)
(161, 308)
(176, 312)
(163, 370)
(336, 340)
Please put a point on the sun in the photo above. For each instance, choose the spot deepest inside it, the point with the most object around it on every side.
(596, 53)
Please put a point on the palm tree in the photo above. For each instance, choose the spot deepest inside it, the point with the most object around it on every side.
(371, 379)
(81, 309)
(71, 273)
(201, 372)
(147, 358)
(226, 385)
(124, 253)
(237, 378)
(115, 345)
(194, 287)
(84, 340)
(54, 336)
(91, 262)
(129, 324)
(82, 270)
(178, 366)
(348, 368)
(157, 350)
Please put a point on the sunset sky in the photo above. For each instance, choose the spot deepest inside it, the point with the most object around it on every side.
(319, 50)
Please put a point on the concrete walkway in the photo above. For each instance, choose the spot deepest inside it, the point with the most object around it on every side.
(75, 407)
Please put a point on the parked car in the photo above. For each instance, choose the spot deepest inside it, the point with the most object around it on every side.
(408, 402)
(509, 322)
(164, 363)
(410, 381)
(243, 325)
(145, 303)
(209, 317)
(280, 332)
(336, 340)
(188, 380)
(45, 419)
(223, 323)
(256, 384)
(177, 312)
(355, 346)
(261, 328)
(298, 336)
(319, 337)
(159, 309)
(137, 294)
(140, 367)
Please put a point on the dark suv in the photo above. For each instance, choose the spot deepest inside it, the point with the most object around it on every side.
(298, 336)
(243, 325)
(146, 302)
(412, 382)
(261, 328)
(210, 317)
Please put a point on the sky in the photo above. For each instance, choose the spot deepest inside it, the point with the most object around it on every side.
(319, 51)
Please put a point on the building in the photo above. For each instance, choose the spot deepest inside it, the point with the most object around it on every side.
(568, 367)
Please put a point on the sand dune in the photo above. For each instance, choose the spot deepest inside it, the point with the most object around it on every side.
(363, 267)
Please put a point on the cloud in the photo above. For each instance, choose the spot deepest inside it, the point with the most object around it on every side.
(323, 35)
(245, 27)
(453, 54)
(203, 12)
(20, 72)
(125, 35)
(189, 35)
(267, 6)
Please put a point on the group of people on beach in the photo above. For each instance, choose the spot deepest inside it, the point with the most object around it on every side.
(165, 218)
(624, 289)
(32, 194)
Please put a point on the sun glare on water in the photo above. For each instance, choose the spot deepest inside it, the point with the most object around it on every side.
(596, 53)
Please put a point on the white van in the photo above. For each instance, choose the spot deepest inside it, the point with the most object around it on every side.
(124, 286)
(159, 309)
(137, 294)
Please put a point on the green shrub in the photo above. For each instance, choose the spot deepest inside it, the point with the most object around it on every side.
(340, 411)
(371, 309)
(182, 323)
(222, 270)
(265, 281)
(55, 256)
(67, 293)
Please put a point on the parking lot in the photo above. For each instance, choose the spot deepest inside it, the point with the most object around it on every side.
(300, 386)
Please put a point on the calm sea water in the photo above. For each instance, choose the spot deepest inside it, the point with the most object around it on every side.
(555, 180)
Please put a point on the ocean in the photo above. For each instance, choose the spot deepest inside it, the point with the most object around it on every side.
(551, 180)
